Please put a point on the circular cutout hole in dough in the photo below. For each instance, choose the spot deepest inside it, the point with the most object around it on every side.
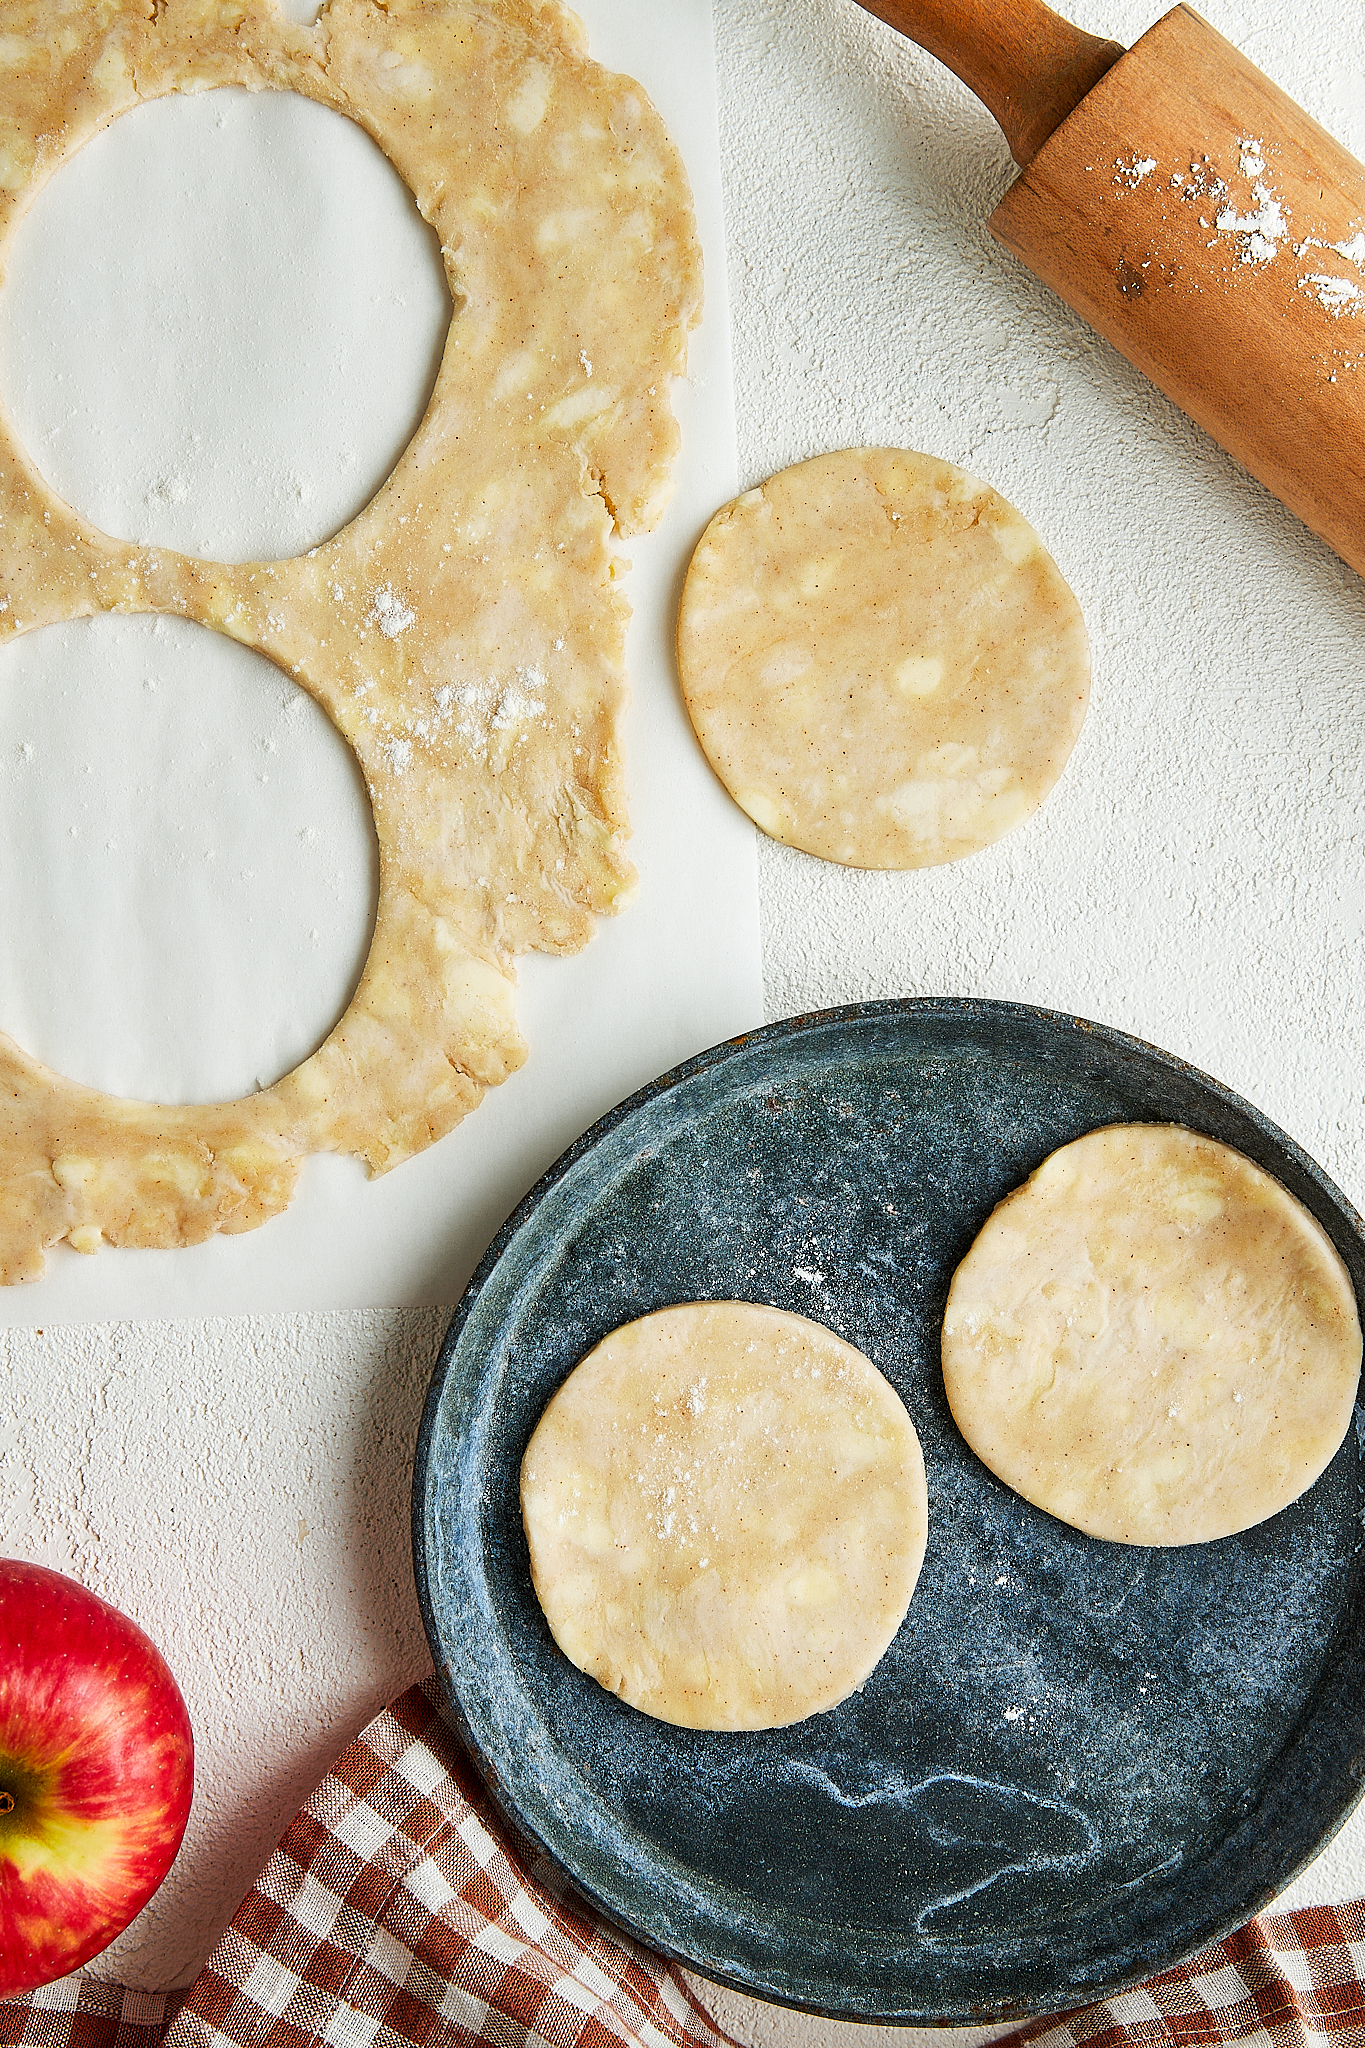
(1152, 1339)
(161, 780)
(882, 663)
(222, 321)
(726, 1512)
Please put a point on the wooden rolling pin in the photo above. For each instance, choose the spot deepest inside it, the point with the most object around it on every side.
(1197, 218)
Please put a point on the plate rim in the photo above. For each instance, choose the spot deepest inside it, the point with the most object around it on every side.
(910, 1009)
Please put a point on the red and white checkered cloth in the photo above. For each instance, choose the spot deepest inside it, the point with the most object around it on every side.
(396, 1913)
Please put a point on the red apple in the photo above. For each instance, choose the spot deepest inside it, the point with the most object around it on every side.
(96, 1770)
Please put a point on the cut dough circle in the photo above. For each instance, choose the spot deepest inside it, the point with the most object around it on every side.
(466, 633)
(726, 1512)
(1152, 1340)
(882, 663)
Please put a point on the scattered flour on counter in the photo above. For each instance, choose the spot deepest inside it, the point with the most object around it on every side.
(1251, 162)
(168, 490)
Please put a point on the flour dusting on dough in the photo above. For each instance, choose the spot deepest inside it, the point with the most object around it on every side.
(1152, 1340)
(882, 663)
(728, 1549)
(390, 613)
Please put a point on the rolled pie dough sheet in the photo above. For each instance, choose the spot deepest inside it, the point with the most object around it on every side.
(882, 663)
(1152, 1339)
(464, 633)
(726, 1512)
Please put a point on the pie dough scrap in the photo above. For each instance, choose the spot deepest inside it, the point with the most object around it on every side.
(465, 633)
(726, 1512)
(1152, 1339)
(881, 661)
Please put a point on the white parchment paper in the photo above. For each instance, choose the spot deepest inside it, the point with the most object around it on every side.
(124, 958)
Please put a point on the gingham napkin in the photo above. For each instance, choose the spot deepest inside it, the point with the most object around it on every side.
(396, 1913)
(1283, 1981)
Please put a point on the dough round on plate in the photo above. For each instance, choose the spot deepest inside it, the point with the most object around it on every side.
(882, 664)
(726, 1512)
(1152, 1339)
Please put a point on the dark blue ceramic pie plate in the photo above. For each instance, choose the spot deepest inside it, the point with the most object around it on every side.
(1078, 1761)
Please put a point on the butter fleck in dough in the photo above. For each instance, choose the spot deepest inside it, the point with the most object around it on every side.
(882, 664)
(1152, 1339)
(464, 633)
(726, 1511)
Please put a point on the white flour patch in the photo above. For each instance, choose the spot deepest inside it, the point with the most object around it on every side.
(1336, 294)
(483, 710)
(1132, 170)
(390, 613)
(1260, 233)
(1202, 181)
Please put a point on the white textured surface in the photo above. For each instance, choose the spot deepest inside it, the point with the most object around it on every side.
(1194, 878)
(242, 1490)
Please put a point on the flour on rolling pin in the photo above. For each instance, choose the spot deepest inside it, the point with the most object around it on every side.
(1199, 220)
(1249, 224)
(1215, 234)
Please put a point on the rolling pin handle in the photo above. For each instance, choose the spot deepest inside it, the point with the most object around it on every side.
(1030, 66)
